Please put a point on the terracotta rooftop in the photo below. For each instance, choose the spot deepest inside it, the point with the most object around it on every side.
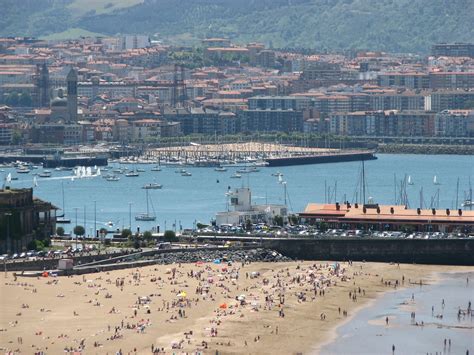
(400, 213)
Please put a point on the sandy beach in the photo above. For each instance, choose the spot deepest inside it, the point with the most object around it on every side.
(257, 308)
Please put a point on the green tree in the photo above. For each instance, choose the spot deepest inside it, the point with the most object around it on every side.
(169, 236)
(16, 137)
(248, 225)
(25, 100)
(293, 219)
(35, 245)
(147, 236)
(79, 231)
(278, 220)
(126, 233)
(60, 231)
(323, 226)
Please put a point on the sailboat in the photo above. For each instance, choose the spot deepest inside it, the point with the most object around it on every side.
(435, 180)
(146, 216)
(61, 218)
(410, 182)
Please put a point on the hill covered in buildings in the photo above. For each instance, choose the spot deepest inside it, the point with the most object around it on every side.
(390, 25)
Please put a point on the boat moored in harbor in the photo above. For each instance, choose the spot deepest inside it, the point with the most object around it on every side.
(152, 186)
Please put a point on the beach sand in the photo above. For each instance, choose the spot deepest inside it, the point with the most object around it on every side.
(278, 312)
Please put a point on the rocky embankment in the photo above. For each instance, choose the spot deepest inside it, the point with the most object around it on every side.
(425, 149)
(226, 255)
(172, 256)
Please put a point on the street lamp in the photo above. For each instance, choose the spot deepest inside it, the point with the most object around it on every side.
(130, 216)
(8, 215)
(95, 218)
(75, 210)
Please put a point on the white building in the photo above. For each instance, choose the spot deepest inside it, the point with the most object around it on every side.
(241, 200)
(135, 42)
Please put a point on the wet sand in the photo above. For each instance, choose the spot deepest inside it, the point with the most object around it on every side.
(284, 308)
(429, 319)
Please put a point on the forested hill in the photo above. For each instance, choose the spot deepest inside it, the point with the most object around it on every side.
(392, 25)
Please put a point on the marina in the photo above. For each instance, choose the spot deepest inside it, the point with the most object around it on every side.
(197, 198)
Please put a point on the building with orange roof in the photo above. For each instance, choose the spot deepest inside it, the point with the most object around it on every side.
(388, 217)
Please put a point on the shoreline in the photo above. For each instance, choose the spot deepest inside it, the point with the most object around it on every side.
(434, 278)
(334, 331)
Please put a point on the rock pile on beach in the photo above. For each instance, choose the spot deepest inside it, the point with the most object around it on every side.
(227, 255)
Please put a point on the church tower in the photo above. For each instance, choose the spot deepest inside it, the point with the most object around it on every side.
(72, 95)
(43, 95)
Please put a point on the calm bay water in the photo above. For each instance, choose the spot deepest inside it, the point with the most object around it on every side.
(198, 197)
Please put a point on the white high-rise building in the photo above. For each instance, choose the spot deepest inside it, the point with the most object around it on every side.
(135, 42)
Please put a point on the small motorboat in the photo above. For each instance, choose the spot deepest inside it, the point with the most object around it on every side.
(152, 186)
(45, 174)
(112, 178)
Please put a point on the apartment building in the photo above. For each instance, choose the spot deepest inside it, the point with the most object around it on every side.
(271, 121)
(454, 123)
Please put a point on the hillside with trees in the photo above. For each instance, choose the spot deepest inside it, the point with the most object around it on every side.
(391, 25)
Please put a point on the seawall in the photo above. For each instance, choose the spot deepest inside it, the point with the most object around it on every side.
(321, 159)
(420, 251)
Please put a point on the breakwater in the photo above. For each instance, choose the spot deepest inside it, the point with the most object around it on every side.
(321, 159)
(426, 149)
(54, 162)
(216, 255)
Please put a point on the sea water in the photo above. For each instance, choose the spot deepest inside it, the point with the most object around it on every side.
(183, 201)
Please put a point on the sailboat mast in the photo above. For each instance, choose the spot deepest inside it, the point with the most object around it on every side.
(395, 188)
(470, 194)
(147, 209)
(363, 181)
(64, 206)
(457, 193)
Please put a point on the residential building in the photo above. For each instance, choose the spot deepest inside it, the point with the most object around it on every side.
(454, 123)
(135, 42)
(297, 103)
(410, 80)
(453, 50)
(271, 121)
(438, 101)
(146, 129)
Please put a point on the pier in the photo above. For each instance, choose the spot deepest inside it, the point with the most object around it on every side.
(54, 162)
(271, 154)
